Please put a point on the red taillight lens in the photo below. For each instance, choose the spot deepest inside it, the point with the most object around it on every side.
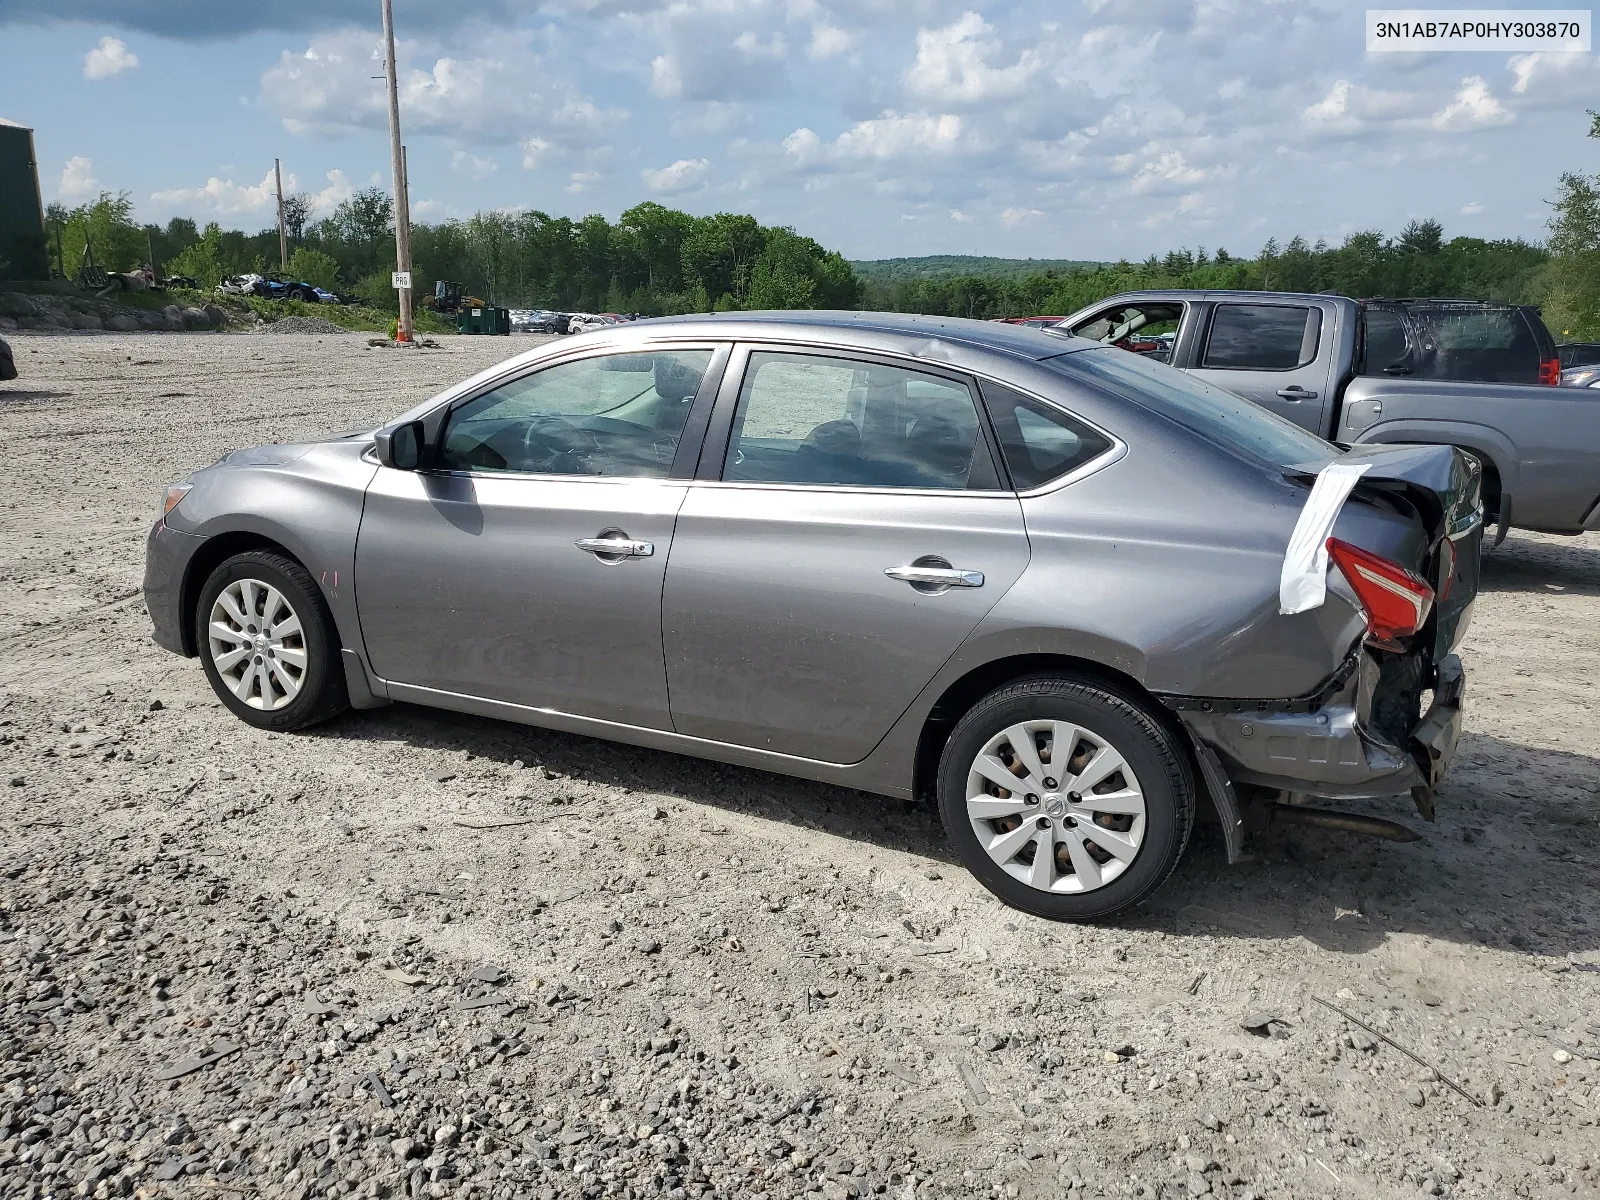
(1550, 372)
(1397, 600)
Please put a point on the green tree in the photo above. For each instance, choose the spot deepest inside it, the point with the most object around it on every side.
(1572, 302)
(103, 228)
(315, 266)
(213, 258)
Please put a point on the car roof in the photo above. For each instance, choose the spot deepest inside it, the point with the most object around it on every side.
(904, 332)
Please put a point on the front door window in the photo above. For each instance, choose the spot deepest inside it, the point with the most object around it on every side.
(1148, 328)
(613, 415)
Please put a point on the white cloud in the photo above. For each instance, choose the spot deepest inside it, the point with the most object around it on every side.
(1474, 107)
(709, 118)
(1349, 108)
(893, 136)
(1529, 68)
(219, 197)
(1169, 172)
(685, 175)
(953, 64)
(698, 60)
(960, 217)
(78, 183)
(110, 57)
(1016, 216)
(1471, 209)
(496, 92)
(581, 181)
(534, 150)
(472, 165)
(1186, 204)
(829, 41)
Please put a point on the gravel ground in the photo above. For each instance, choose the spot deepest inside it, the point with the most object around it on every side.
(419, 954)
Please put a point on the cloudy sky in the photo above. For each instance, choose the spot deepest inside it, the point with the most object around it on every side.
(1069, 128)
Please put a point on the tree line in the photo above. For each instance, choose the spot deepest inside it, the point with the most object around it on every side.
(653, 260)
(1419, 262)
(658, 261)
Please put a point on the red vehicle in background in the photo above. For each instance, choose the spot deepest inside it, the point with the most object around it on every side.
(1031, 322)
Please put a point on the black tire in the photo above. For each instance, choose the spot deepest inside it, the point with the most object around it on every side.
(1146, 745)
(322, 692)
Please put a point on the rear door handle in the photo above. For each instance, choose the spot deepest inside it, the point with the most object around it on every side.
(616, 547)
(938, 576)
(1295, 392)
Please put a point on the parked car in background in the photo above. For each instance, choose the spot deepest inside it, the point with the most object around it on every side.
(273, 287)
(1468, 373)
(588, 322)
(1581, 377)
(1578, 354)
(1030, 322)
(1038, 579)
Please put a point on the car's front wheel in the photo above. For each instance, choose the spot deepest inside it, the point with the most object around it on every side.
(268, 643)
(1065, 799)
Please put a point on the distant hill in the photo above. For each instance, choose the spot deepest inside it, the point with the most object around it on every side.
(950, 266)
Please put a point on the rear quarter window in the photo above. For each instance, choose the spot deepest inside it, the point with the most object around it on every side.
(1212, 413)
(1474, 344)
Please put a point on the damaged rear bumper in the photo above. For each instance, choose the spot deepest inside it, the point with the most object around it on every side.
(1329, 746)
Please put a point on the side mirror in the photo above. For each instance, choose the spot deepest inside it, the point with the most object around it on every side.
(400, 446)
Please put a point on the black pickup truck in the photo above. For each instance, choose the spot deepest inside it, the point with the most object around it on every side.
(1476, 374)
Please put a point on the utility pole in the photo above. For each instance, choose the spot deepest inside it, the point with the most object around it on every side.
(283, 236)
(402, 206)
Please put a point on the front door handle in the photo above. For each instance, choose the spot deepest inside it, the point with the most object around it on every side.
(1295, 392)
(616, 547)
(935, 576)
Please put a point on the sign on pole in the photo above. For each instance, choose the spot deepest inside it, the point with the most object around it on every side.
(402, 279)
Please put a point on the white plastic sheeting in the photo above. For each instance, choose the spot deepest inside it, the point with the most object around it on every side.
(1304, 582)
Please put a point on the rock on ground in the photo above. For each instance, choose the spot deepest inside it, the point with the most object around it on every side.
(236, 963)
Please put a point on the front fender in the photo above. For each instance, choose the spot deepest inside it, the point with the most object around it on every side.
(311, 506)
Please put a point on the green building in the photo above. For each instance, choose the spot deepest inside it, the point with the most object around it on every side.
(23, 248)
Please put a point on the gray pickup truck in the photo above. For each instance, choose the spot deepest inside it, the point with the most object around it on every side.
(1472, 374)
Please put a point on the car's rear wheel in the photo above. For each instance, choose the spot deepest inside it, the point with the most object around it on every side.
(1066, 799)
(268, 643)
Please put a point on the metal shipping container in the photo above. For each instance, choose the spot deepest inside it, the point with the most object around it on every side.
(23, 252)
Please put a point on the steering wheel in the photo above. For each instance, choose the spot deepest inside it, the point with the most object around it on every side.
(555, 446)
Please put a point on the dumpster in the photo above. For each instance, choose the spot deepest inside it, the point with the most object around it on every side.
(488, 318)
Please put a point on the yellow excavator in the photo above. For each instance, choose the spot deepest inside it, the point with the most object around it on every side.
(472, 314)
(447, 298)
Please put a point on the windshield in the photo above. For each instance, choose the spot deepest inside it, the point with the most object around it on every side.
(1217, 415)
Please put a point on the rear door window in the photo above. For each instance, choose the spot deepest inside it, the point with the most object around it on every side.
(1262, 337)
(1387, 345)
(813, 419)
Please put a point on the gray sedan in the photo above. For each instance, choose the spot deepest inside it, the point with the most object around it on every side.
(1075, 596)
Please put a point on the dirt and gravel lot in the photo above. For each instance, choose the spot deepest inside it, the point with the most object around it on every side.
(241, 964)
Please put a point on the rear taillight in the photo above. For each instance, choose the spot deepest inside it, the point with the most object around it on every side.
(1397, 601)
(1550, 372)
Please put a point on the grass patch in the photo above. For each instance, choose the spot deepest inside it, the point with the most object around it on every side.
(357, 317)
